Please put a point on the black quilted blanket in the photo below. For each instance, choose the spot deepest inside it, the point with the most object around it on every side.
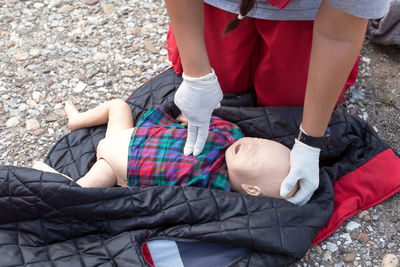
(47, 220)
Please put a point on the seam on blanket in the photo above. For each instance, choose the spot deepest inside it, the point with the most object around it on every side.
(189, 208)
(16, 222)
(161, 206)
(217, 207)
(78, 251)
(268, 121)
(45, 238)
(279, 223)
(108, 226)
(138, 251)
(247, 221)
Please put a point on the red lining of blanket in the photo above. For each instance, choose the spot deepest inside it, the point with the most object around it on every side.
(147, 255)
(362, 189)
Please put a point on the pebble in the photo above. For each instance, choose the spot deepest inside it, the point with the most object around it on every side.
(65, 9)
(80, 87)
(99, 83)
(51, 117)
(91, 2)
(363, 237)
(13, 121)
(100, 56)
(108, 9)
(332, 247)
(352, 225)
(349, 257)
(357, 95)
(36, 96)
(10, 44)
(375, 218)
(366, 60)
(21, 56)
(347, 237)
(127, 73)
(390, 260)
(32, 124)
(38, 132)
(148, 45)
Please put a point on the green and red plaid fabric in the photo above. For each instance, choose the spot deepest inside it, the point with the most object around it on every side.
(156, 153)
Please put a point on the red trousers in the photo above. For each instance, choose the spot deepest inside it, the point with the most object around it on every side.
(273, 56)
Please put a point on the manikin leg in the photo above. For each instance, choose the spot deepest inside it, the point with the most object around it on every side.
(118, 116)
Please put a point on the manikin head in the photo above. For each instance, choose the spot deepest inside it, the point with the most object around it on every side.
(257, 166)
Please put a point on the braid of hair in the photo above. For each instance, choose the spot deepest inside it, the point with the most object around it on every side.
(245, 7)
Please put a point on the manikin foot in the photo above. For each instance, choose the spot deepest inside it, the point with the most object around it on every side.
(72, 114)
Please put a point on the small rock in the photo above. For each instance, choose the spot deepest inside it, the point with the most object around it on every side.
(127, 80)
(357, 95)
(13, 121)
(367, 218)
(366, 60)
(136, 30)
(375, 218)
(80, 87)
(100, 83)
(38, 132)
(65, 9)
(127, 73)
(50, 82)
(363, 237)
(390, 260)
(10, 44)
(353, 111)
(349, 257)
(351, 226)
(148, 45)
(332, 247)
(36, 96)
(164, 52)
(32, 124)
(31, 103)
(365, 116)
(390, 245)
(347, 237)
(100, 56)
(51, 117)
(21, 56)
(82, 77)
(327, 256)
(91, 2)
(108, 9)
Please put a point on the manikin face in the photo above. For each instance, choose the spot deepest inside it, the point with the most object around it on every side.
(257, 166)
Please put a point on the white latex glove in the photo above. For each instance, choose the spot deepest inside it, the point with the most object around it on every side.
(197, 98)
(304, 167)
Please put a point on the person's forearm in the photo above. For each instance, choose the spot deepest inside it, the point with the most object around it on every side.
(187, 21)
(336, 44)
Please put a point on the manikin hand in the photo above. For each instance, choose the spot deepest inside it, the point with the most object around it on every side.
(304, 167)
(197, 98)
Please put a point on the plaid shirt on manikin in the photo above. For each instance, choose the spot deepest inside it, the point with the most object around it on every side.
(155, 155)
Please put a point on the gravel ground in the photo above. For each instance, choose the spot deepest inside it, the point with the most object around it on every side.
(95, 51)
